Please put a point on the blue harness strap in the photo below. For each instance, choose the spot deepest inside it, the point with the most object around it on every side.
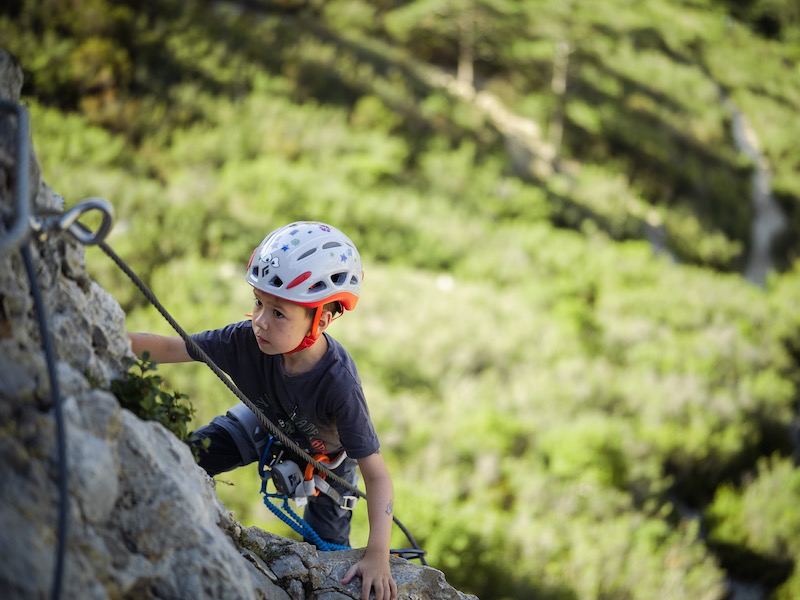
(298, 524)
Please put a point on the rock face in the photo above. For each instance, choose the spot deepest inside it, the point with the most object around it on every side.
(144, 520)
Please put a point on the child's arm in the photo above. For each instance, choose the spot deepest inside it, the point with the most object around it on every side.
(374, 566)
(162, 349)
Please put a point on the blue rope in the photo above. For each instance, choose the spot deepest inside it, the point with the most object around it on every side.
(298, 524)
(291, 518)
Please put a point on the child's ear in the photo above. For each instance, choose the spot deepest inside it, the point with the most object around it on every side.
(324, 320)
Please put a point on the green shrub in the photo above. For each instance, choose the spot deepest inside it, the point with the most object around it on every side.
(142, 394)
(756, 529)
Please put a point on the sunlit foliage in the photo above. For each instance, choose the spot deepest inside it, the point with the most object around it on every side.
(577, 392)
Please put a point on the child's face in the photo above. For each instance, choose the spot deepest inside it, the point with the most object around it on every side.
(279, 326)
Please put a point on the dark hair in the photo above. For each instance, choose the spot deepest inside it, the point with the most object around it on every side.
(334, 307)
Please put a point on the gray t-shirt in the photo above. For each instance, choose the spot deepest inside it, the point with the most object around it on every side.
(323, 410)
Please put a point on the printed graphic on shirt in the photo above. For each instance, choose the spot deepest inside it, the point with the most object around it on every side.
(309, 433)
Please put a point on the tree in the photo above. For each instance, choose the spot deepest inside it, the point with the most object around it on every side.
(458, 31)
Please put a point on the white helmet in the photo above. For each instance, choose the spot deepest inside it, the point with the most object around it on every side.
(308, 263)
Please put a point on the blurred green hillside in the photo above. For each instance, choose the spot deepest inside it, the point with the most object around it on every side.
(579, 392)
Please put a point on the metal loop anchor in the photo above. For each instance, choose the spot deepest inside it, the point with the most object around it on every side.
(25, 222)
(68, 222)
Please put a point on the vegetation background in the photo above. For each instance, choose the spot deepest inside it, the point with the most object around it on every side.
(583, 385)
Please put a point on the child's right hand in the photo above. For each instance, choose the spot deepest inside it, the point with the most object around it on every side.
(375, 576)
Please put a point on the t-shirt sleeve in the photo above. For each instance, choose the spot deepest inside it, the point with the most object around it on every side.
(356, 431)
(352, 420)
(223, 346)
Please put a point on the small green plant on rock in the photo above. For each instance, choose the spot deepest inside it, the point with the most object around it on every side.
(142, 393)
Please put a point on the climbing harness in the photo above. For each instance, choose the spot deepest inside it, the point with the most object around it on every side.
(289, 481)
(293, 483)
(314, 483)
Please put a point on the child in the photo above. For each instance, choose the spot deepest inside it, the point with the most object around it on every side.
(304, 275)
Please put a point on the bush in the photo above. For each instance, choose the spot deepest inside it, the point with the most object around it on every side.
(756, 529)
(142, 394)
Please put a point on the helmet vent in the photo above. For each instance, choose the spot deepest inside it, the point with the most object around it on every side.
(306, 254)
(276, 281)
(339, 279)
(332, 244)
